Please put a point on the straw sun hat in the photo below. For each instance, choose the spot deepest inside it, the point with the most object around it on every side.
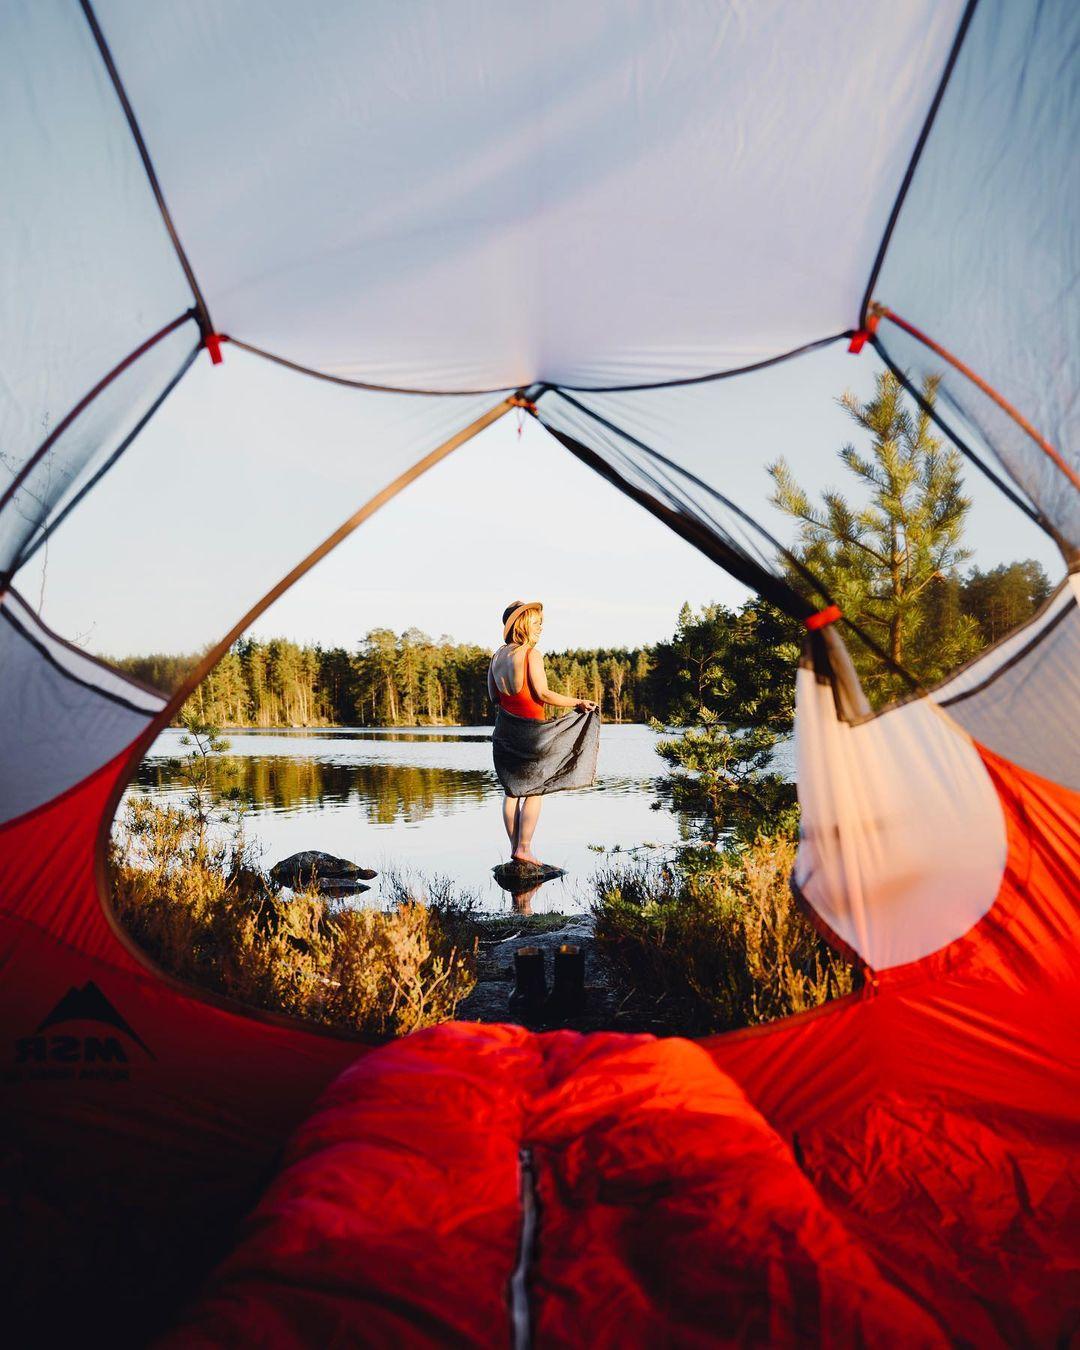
(514, 610)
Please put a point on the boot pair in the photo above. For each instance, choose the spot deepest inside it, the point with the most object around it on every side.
(531, 1001)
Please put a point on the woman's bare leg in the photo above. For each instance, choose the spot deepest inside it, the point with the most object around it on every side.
(528, 815)
(510, 821)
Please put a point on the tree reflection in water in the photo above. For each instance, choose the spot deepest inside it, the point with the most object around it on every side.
(385, 794)
(419, 800)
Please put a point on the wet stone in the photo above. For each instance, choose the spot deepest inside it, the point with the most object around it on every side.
(312, 868)
(513, 876)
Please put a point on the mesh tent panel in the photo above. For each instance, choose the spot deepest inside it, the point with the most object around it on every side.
(902, 842)
(985, 254)
(63, 715)
(88, 273)
(976, 421)
(703, 449)
(1013, 696)
(245, 469)
(49, 482)
(686, 504)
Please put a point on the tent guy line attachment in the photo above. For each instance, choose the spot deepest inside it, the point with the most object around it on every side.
(824, 617)
(212, 342)
(862, 336)
(880, 312)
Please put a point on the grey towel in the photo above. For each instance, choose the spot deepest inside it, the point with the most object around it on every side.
(534, 757)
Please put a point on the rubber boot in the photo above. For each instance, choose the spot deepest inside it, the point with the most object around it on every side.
(567, 999)
(530, 984)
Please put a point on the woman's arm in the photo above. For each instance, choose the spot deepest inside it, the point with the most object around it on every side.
(538, 678)
(493, 692)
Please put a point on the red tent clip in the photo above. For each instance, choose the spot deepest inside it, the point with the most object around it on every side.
(823, 617)
(863, 336)
(212, 342)
(516, 401)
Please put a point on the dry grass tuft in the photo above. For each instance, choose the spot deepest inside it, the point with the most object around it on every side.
(715, 948)
(204, 911)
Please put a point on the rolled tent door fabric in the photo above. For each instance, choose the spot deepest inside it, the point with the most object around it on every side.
(985, 253)
(579, 194)
(902, 845)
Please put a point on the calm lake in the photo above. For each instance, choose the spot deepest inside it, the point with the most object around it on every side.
(425, 802)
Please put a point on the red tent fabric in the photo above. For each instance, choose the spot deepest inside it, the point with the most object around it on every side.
(602, 235)
(901, 1158)
(895, 1168)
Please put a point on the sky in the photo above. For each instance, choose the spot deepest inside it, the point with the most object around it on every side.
(248, 466)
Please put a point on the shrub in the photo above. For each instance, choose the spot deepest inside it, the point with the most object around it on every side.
(202, 909)
(719, 946)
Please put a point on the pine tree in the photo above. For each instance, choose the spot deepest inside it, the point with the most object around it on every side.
(615, 672)
(1004, 597)
(878, 558)
(726, 678)
(596, 684)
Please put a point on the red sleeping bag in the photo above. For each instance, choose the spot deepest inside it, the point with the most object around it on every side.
(638, 1195)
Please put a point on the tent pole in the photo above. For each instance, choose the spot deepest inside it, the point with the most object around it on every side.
(388, 493)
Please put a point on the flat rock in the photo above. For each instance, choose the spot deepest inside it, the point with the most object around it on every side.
(516, 876)
(319, 869)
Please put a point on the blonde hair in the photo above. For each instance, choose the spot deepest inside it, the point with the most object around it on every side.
(526, 629)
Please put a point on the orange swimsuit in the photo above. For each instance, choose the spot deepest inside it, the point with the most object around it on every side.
(522, 704)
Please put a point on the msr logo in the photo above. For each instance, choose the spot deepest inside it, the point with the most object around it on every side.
(52, 1054)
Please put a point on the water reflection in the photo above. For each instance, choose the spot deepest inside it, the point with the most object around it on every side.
(423, 802)
(384, 794)
(523, 884)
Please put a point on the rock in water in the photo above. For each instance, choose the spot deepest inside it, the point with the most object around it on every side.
(313, 868)
(515, 876)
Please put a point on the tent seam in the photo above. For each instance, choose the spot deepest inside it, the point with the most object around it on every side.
(542, 386)
(203, 312)
(916, 156)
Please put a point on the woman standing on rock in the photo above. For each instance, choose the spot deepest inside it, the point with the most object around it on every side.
(534, 756)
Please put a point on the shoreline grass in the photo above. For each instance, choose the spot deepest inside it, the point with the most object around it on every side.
(205, 912)
(689, 949)
(713, 947)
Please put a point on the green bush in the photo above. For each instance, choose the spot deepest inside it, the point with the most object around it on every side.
(718, 946)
